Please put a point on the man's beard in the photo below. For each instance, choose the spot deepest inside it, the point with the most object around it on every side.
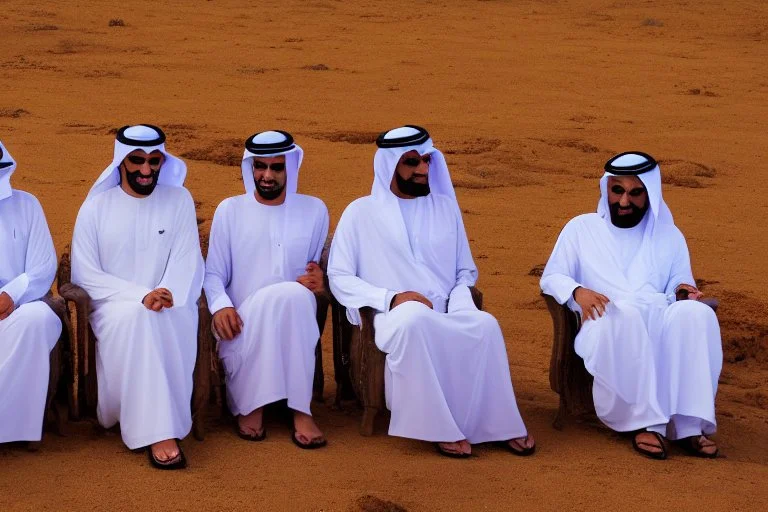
(143, 190)
(628, 220)
(410, 187)
(269, 194)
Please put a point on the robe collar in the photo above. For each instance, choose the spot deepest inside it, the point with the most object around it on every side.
(7, 167)
(148, 138)
(268, 144)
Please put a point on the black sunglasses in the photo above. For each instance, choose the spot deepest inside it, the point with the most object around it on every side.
(277, 166)
(415, 162)
(154, 161)
(635, 192)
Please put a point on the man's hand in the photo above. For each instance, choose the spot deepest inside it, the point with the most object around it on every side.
(158, 299)
(592, 303)
(6, 306)
(686, 291)
(313, 278)
(227, 323)
(408, 296)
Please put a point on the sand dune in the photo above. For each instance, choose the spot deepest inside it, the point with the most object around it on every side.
(527, 99)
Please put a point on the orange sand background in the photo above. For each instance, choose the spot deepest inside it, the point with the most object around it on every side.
(527, 99)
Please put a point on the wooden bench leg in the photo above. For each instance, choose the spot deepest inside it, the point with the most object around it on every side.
(198, 424)
(369, 416)
(562, 413)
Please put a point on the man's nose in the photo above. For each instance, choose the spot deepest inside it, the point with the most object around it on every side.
(624, 200)
(145, 168)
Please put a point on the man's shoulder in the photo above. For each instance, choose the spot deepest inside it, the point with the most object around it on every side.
(669, 231)
(22, 197)
(354, 208)
(585, 219)
(307, 201)
(232, 202)
(173, 193)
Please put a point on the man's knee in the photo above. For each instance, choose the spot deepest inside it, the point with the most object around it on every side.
(409, 316)
(685, 310)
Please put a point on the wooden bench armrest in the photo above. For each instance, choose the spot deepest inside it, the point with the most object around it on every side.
(72, 292)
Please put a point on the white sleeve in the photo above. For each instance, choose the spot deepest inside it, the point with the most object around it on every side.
(680, 273)
(466, 270)
(350, 290)
(558, 279)
(40, 262)
(86, 267)
(320, 233)
(218, 264)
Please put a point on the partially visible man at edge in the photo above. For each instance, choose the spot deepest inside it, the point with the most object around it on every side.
(262, 278)
(28, 328)
(136, 251)
(403, 251)
(653, 349)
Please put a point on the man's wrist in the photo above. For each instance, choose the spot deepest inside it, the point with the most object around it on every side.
(573, 293)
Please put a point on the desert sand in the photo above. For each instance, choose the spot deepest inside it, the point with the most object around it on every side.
(527, 99)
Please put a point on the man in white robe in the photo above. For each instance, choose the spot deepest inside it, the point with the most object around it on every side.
(261, 279)
(28, 328)
(136, 251)
(655, 357)
(403, 251)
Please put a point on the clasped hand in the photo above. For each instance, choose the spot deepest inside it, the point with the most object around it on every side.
(409, 296)
(686, 291)
(313, 278)
(592, 304)
(6, 306)
(158, 299)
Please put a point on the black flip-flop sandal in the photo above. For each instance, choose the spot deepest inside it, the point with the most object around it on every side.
(312, 445)
(179, 462)
(692, 446)
(251, 437)
(525, 452)
(662, 455)
(453, 455)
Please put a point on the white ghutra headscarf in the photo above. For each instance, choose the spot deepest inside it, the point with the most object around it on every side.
(147, 138)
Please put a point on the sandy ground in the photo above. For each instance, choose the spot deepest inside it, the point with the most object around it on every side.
(527, 99)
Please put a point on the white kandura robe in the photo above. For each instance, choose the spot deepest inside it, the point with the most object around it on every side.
(656, 362)
(255, 254)
(27, 336)
(447, 376)
(123, 248)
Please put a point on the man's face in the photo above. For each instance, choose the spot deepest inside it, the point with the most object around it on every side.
(628, 200)
(139, 172)
(269, 176)
(412, 174)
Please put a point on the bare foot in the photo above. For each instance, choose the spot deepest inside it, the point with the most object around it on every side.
(459, 447)
(522, 445)
(650, 444)
(252, 424)
(701, 446)
(307, 431)
(165, 451)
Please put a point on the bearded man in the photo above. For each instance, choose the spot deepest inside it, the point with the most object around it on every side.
(28, 328)
(261, 279)
(654, 350)
(136, 251)
(403, 251)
